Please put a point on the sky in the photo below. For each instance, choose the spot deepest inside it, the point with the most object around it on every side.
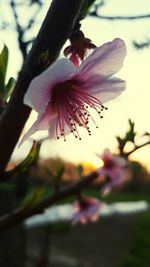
(133, 103)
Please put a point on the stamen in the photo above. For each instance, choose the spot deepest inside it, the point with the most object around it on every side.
(72, 105)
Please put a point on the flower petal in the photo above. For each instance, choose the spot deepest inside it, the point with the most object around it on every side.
(39, 91)
(105, 61)
(42, 123)
(52, 128)
(67, 50)
(74, 59)
(108, 89)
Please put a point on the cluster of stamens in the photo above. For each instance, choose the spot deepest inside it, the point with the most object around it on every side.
(73, 109)
(79, 117)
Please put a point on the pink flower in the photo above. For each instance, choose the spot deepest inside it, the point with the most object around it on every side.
(78, 48)
(63, 95)
(114, 169)
(86, 210)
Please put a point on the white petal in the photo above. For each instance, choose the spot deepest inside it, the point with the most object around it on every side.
(108, 90)
(52, 128)
(105, 61)
(42, 123)
(39, 91)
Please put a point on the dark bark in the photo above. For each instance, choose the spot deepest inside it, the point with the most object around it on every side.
(57, 26)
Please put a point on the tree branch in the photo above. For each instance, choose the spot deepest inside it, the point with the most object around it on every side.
(55, 30)
(17, 216)
(20, 31)
(94, 14)
(32, 20)
(126, 155)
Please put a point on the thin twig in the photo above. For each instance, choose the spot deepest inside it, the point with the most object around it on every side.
(20, 31)
(94, 14)
(32, 20)
(126, 155)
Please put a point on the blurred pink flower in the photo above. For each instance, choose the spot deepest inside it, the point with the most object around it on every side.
(78, 48)
(86, 210)
(114, 168)
(63, 95)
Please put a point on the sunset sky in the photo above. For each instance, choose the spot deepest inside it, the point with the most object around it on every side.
(133, 103)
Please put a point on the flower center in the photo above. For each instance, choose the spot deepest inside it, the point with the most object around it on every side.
(72, 104)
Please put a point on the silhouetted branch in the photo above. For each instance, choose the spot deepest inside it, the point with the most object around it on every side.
(20, 31)
(95, 14)
(17, 216)
(32, 20)
(141, 45)
(126, 155)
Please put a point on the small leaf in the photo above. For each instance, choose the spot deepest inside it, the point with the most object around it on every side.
(31, 157)
(3, 68)
(34, 196)
(26, 163)
(9, 88)
(121, 142)
(130, 135)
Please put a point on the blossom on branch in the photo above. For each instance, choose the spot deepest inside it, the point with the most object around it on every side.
(64, 95)
(114, 168)
(86, 209)
(79, 48)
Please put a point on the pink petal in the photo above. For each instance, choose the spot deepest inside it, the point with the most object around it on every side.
(106, 154)
(105, 61)
(121, 162)
(68, 50)
(94, 209)
(106, 190)
(42, 123)
(84, 220)
(77, 217)
(108, 89)
(74, 60)
(52, 128)
(39, 91)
